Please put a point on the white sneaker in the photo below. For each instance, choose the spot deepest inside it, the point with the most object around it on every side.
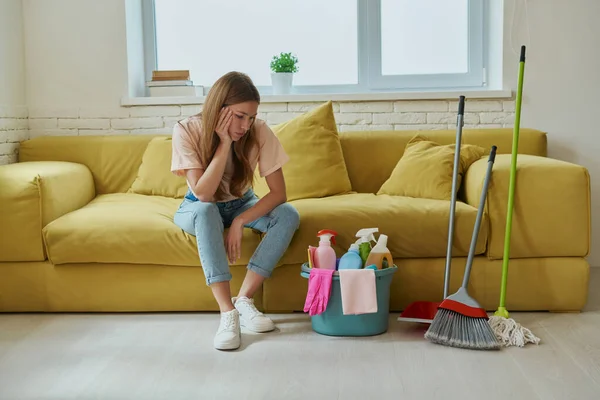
(228, 334)
(250, 317)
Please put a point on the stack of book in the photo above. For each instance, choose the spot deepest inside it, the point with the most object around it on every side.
(172, 83)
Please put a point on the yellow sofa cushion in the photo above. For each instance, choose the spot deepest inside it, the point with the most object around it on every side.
(128, 228)
(32, 195)
(415, 227)
(154, 176)
(316, 167)
(425, 170)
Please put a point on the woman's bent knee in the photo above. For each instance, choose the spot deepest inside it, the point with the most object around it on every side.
(289, 215)
(206, 214)
(190, 215)
(204, 210)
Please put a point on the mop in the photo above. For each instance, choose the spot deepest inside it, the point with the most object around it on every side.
(461, 321)
(425, 311)
(507, 330)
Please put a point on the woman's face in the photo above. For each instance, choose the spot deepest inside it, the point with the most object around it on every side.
(244, 115)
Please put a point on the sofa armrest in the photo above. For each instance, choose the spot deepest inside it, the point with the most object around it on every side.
(551, 215)
(33, 194)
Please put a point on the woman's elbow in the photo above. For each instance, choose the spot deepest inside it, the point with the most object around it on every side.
(282, 197)
(204, 198)
(277, 197)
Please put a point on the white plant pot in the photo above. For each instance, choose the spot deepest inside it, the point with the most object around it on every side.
(282, 82)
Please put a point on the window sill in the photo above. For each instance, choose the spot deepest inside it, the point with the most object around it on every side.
(309, 97)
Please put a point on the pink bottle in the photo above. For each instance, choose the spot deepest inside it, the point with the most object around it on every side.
(325, 257)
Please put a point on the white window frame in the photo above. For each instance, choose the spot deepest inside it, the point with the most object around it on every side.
(370, 79)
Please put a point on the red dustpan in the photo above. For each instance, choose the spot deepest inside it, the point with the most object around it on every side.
(419, 311)
(424, 311)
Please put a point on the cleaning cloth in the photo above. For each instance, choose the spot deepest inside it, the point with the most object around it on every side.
(359, 293)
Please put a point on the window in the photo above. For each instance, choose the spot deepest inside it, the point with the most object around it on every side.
(342, 45)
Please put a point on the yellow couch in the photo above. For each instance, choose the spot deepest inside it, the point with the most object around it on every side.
(75, 236)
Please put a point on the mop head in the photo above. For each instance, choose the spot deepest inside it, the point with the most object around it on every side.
(510, 333)
(461, 322)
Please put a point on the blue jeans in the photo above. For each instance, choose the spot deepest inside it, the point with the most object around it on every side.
(207, 221)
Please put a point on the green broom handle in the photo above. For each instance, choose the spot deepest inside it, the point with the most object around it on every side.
(511, 189)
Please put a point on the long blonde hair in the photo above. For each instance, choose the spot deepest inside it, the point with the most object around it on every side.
(231, 88)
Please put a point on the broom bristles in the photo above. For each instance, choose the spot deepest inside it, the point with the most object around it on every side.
(450, 328)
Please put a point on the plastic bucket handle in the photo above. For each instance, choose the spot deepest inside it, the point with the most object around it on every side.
(379, 273)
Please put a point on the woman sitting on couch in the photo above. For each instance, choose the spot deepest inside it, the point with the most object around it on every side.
(217, 151)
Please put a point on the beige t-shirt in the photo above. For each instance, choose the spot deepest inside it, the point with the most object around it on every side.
(269, 156)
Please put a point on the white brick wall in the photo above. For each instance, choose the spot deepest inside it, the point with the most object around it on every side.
(13, 129)
(107, 121)
(16, 124)
(402, 115)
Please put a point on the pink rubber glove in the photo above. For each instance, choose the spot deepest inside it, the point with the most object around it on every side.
(319, 289)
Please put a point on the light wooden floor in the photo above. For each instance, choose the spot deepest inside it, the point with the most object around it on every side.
(170, 356)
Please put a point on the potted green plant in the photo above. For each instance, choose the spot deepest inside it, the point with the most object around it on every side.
(283, 67)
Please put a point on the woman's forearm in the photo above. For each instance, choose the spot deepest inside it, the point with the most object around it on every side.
(262, 207)
(209, 182)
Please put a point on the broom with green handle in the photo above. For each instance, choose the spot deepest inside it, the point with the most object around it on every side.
(507, 330)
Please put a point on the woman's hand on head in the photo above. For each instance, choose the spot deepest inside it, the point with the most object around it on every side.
(222, 129)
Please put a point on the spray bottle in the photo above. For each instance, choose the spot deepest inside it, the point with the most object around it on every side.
(325, 257)
(380, 253)
(364, 242)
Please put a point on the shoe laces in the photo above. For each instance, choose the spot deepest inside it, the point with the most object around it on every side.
(248, 308)
(227, 321)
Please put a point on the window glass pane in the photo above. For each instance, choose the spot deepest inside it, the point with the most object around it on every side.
(212, 37)
(424, 37)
